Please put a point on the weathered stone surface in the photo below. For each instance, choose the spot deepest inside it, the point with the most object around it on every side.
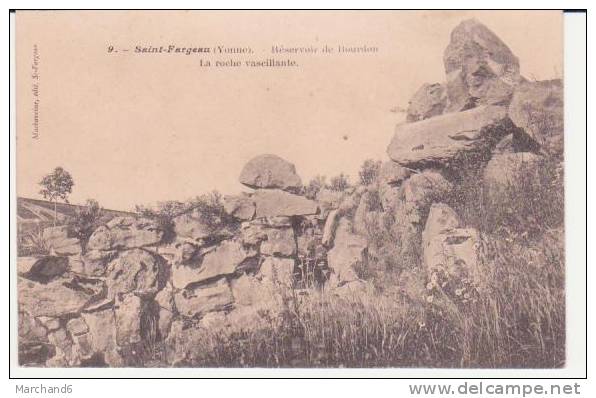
(455, 255)
(348, 253)
(279, 271)
(330, 227)
(480, 68)
(31, 329)
(42, 269)
(449, 138)
(77, 326)
(252, 234)
(227, 257)
(441, 218)
(430, 100)
(59, 243)
(240, 206)
(64, 349)
(270, 171)
(392, 173)
(102, 329)
(389, 180)
(49, 323)
(247, 290)
(279, 242)
(273, 202)
(198, 300)
(510, 171)
(537, 107)
(135, 271)
(421, 190)
(365, 207)
(128, 312)
(55, 298)
(95, 262)
(125, 233)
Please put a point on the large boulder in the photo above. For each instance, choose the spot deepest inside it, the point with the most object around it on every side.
(199, 300)
(452, 254)
(42, 269)
(537, 108)
(241, 207)
(270, 171)
(228, 257)
(274, 202)
(135, 271)
(480, 68)
(448, 139)
(125, 233)
(128, 314)
(59, 242)
(430, 100)
(56, 298)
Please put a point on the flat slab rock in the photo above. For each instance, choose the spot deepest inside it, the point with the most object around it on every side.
(443, 139)
(270, 171)
(274, 202)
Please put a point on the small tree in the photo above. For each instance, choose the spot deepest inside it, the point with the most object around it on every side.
(314, 186)
(339, 183)
(369, 171)
(87, 220)
(56, 185)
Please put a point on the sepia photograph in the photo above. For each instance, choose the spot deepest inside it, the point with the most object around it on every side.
(290, 189)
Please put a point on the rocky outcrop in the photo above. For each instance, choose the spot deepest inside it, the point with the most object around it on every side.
(270, 171)
(537, 108)
(430, 100)
(240, 206)
(201, 299)
(507, 170)
(348, 253)
(135, 271)
(125, 233)
(231, 269)
(224, 259)
(452, 254)
(451, 138)
(274, 202)
(480, 68)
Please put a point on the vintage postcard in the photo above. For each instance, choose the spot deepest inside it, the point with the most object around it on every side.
(290, 189)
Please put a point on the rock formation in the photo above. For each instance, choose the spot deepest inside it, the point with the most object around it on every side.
(135, 282)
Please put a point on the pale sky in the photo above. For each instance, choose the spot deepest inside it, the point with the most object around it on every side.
(135, 129)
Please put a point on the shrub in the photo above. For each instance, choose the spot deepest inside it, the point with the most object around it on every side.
(33, 243)
(524, 207)
(339, 183)
(208, 207)
(369, 171)
(314, 186)
(86, 220)
(163, 213)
